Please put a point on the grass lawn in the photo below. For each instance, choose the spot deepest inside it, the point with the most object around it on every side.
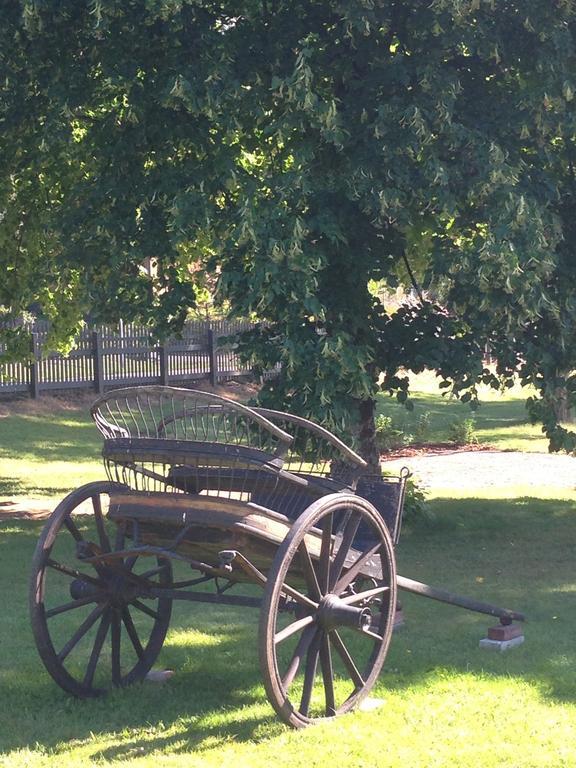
(47, 447)
(446, 702)
(501, 419)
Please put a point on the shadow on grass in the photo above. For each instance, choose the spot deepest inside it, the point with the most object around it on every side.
(219, 699)
(518, 554)
(201, 729)
(10, 487)
(215, 695)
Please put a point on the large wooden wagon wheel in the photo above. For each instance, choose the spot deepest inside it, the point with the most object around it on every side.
(94, 624)
(322, 645)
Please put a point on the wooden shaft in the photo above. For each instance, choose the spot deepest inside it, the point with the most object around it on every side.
(443, 596)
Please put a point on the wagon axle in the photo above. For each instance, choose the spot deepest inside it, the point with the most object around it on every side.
(117, 590)
(334, 612)
(80, 589)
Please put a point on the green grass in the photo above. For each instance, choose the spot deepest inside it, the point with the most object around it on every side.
(446, 702)
(501, 420)
(46, 454)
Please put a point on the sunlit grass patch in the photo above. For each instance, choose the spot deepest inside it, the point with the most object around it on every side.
(446, 702)
(48, 454)
(500, 420)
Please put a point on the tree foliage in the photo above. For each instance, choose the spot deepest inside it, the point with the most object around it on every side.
(299, 150)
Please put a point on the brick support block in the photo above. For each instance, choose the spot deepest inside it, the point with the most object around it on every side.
(505, 632)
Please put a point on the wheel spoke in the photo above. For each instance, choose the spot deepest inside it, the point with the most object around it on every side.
(325, 548)
(327, 675)
(100, 527)
(72, 528)
(348, 661)
(130, 562)
(82, 630)
(291, 629)
(366, 595)
(96, 597)
(299, 652)
(355, 569)
(309, 572)
(120, 535)
(298, 596)
(72, 572)
(83, 572)
(114, 562)
(97, 648)
(309, 675)
(153, 572)
(369, 633)
(145, 609)
(348, 534)
(132, 633)
(115, 643)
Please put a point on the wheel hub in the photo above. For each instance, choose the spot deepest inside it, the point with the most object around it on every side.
(80, 589)
(117, 590)
(334, 612)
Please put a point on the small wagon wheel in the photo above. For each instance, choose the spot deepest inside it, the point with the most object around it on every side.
(327, 612)
(94, 623)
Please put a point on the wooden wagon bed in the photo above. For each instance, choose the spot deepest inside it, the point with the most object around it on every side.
(202, 527)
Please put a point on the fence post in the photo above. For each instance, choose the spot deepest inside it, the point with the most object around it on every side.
(212, 358)
(163, 357)
(35, 368)
(98, 361)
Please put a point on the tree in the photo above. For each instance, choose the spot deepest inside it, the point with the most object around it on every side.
(300, 150)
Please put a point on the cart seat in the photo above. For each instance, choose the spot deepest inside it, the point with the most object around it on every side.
(169, 440)
(164, 439)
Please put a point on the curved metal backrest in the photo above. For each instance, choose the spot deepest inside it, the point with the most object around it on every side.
(315, 450)
(172, 413)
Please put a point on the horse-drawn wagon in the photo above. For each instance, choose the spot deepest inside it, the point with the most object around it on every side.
(239, 497)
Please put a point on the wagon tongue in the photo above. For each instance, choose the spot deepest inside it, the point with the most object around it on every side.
(443, 596)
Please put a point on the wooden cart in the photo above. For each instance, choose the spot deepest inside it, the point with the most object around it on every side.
(241, 496)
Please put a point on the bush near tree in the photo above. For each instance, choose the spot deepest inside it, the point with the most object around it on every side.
(298, 152)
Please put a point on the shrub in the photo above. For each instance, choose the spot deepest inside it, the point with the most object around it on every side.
(422, 428)
(416, 508)
(390, 435)
(463, 432)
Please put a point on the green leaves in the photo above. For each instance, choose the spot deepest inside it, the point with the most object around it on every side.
(291, 157)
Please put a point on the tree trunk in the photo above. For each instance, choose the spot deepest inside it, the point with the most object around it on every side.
(562, 405)
(367, 436)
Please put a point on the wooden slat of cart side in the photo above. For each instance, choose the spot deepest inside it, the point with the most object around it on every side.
(264, 483)
(214, 524)
(187, 452)
(167, 509)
